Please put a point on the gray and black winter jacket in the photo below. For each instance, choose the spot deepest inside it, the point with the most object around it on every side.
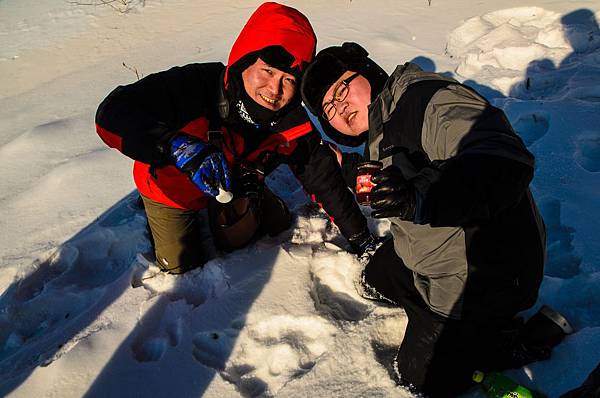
(477, 246)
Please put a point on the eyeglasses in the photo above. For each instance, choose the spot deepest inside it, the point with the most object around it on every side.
(339, 94)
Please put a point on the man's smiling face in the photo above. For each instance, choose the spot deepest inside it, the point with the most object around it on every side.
(269, 86)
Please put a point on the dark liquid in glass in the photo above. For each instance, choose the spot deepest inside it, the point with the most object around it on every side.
(364, 185)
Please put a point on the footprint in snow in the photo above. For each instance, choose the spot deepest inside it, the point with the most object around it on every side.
(172, 297)
(128, 210)
(533, 126)
(66, 289)
(39, 322)
(212, 348)
(79, 264)
(47, 271)
(161, 327)
(56, 292)
(562, 259)
(587, 153)
(586, 94)
(267, 354)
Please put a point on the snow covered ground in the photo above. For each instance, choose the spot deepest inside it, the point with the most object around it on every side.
(82, 314)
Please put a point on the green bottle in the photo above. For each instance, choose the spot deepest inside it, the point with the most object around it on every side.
(496, 385)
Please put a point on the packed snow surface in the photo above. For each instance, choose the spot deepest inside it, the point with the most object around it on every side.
(84, 313)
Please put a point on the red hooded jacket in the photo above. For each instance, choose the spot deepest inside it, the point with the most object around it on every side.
(276, 24)
(140, 118)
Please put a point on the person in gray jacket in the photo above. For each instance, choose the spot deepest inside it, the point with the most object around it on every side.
(468, 244)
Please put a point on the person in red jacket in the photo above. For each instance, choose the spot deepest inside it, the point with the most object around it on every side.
(202, 130)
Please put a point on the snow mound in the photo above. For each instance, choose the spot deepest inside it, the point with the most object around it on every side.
(499, 46)
(195, 286)
(334, 290)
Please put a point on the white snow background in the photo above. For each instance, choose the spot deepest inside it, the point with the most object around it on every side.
(81, 314)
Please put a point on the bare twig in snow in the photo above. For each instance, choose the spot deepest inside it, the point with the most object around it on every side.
(122, 6)
(133, 69)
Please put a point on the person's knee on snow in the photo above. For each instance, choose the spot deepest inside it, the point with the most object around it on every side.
(275, 217)
(177, 235)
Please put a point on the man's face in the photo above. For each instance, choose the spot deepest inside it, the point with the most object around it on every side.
(268, 86)
(351, 107)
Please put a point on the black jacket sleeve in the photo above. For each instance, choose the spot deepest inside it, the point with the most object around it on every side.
(350, 161)
(469, 189)
(144, 115)
(489, 172)
(317, 168)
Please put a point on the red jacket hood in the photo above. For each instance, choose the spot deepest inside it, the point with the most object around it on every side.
(275, 24)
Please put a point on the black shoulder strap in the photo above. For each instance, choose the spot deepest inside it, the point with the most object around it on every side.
(216, 117)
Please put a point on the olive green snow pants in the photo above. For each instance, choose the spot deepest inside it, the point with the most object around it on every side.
(181, 236)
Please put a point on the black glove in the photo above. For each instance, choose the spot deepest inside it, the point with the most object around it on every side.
(249, 182)
(393, 195)
(364, 244)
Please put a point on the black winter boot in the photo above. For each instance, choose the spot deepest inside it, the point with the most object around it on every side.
(520, 344)
(545, 330)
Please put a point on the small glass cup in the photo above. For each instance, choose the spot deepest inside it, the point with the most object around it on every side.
(366, 171)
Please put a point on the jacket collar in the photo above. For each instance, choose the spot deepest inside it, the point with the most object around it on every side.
(383, 106)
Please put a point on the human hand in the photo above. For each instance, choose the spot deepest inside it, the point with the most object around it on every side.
(364, 245)
(249, 181)
(393, 195)
(205, 166)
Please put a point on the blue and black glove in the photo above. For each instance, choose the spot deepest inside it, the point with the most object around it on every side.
(204, 164)
(393, 195)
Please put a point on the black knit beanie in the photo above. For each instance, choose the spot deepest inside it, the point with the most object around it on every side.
(329, 64)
